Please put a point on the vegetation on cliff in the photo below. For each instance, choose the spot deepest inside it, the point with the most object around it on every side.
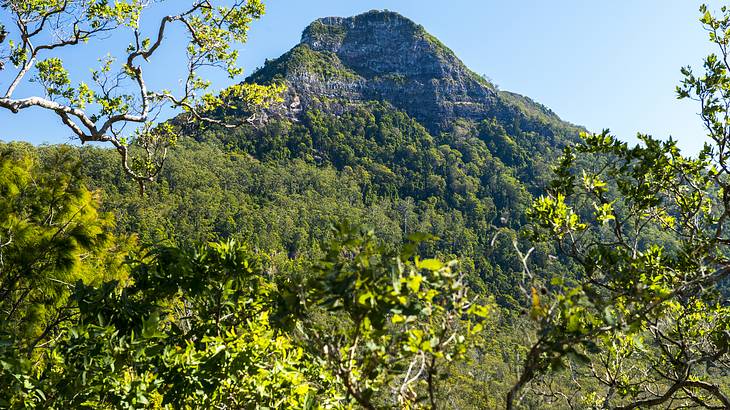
(394, 233)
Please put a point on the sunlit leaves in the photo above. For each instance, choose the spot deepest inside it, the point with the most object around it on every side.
(554, 214)
(101, 12)
(54, 77)
(398, 312)
(652, 249)
(119, 104)
(52, 235)
(244, 98)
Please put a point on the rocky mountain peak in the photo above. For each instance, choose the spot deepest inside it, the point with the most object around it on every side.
(328, 32)
(384, 56)
(377, 43)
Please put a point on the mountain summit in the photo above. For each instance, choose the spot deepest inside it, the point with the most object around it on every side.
(381, 55)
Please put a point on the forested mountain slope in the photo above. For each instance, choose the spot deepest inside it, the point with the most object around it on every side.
(381, 125)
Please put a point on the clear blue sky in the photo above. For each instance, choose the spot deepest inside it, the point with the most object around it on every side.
(611, 64)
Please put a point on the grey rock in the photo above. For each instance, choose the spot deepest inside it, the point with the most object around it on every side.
(381, 55)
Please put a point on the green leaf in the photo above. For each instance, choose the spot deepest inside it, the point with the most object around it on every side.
(430, 264)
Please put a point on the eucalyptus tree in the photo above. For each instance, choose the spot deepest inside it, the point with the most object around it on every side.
(118, 106)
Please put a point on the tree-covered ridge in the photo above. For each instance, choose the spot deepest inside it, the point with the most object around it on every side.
(280, 186)
(302, 60)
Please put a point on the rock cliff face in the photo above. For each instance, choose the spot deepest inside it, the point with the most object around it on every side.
(381, 55)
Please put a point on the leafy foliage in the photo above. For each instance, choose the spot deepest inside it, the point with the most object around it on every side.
(215, 325)
(52, 235)
(119, 106)
(399, 319)
(647, 317)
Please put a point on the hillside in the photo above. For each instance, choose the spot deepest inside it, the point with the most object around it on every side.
(345, 67)
(383, 125)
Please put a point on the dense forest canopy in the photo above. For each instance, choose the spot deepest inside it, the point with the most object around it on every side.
(363, 222)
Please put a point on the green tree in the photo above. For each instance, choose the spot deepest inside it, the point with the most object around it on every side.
(195, 329)
(218, 325)
(645, 316)
(394, 323)
(118, 106)
(52, 236)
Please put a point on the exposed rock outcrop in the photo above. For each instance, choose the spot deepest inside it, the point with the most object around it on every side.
(381, 55)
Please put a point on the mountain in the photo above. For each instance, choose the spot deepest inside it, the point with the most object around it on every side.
(383, 56)
(383, 126)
